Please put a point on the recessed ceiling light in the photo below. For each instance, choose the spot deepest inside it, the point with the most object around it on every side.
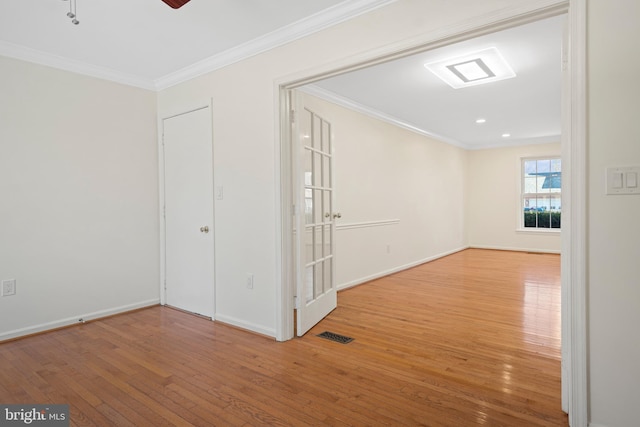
(480, 121)
(484, 66)
(506, 135)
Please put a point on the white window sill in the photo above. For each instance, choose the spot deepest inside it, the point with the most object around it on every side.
(532, 230)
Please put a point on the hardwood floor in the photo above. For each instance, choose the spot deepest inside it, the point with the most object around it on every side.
(470, 339)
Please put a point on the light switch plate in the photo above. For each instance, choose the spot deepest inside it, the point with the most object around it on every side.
(623, 180)
(8, 287)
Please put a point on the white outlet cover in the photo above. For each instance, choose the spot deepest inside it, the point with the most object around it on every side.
(8, 287)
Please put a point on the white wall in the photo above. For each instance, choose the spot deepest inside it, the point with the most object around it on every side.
(78, 186)
(493, 202)
(411, 186)
(614, 225)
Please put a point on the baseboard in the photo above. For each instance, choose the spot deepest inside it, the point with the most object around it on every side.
(396, 269)
(270, 332)
(502, 248)
(43, 327)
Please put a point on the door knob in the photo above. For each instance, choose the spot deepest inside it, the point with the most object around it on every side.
(204, 229)
(337, 215)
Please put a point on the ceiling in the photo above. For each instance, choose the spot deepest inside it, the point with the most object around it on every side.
(142, 42)
(146, 43)
(527, 107)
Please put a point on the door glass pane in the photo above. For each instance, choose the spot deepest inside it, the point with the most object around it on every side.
(308, 168)
(308, 193)
(317, 206)
(317, 285)
(327, 241)
(308, 206)
(308, 283)
(317, 132)
(317, 169)
(326, 137)
(326, 172)
(318, 243)
(308, 245)
(328, 276)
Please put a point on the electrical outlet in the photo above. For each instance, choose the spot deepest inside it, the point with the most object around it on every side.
(8, 287)
(249, 281)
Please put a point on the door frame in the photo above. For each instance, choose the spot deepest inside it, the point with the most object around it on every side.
(161, 198)
(574, 135)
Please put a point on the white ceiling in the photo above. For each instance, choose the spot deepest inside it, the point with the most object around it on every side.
(148, 44)
(143, 42)
(406, 93)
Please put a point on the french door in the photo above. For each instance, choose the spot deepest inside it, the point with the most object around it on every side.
(315, 217)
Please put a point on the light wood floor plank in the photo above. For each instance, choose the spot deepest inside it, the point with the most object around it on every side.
(469, 339)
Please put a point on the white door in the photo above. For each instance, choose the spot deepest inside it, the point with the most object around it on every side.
(188, 195)
(315, 219)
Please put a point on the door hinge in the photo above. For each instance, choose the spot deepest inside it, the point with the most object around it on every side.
(295, 302)
(293, 210)
(164, 211)
(293, 116)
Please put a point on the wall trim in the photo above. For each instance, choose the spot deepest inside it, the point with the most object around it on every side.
(384, 273)
(296, 30)
(253, 327)
(312, 24)
(575, 241)
(506, 248)
(376, 114)
(43, 327)
(366, 224)
(350, 104)
(49, 60)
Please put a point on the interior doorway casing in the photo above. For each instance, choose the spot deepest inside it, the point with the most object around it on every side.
(574, 373)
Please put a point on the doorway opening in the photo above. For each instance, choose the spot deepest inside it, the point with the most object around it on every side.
(573, 322)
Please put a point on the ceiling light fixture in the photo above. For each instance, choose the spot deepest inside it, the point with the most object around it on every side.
(481, 121)
(484, 66)
(506, 135)
(73, 12)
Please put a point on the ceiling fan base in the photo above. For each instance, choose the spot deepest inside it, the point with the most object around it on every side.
(176, 4)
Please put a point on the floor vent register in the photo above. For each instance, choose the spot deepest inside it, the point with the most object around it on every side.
(335, 337)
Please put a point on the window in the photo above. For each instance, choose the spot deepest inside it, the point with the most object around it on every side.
(541, 192)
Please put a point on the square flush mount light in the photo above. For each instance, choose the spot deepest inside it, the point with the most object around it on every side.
(484, 66)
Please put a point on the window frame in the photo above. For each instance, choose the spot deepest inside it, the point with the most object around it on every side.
(524, 195)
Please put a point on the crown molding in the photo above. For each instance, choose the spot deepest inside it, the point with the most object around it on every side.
(36, 56)
(376, 114)
(304, 27)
